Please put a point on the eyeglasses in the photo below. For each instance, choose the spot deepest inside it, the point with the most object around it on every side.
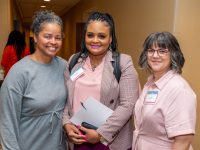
(161, 52)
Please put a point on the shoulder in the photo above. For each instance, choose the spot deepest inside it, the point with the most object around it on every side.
(180, 96)
(23, 61)
(9, 48)
(77, 57)
(22, 64)
(71, 57)
(180, 85)
(127, 66)
(63, 64)
(60, 60)
(180, 81)
(125, 60)
(18, 71)
(125, 57)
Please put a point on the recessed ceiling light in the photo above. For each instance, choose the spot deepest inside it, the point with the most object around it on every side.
(47, 0)
(43, 6)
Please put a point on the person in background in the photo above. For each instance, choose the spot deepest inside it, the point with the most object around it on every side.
(98, 81)
(14, 50)
(33, 94)
(165, 113)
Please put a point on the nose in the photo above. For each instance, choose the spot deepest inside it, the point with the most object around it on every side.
(155, 54)
(95, 39)
(53, 40)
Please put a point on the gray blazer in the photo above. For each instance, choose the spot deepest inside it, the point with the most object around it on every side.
(120, 97)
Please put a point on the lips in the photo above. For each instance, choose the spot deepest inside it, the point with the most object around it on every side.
(52, 48)
(95, 46)
(156, 61)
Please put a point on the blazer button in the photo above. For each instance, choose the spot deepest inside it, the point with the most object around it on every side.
(112, 101)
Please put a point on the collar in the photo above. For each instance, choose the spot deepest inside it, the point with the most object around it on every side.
(162, 81)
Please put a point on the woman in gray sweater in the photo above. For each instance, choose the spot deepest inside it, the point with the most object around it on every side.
(33, 95)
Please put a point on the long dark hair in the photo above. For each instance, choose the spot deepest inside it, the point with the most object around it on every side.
(103, 17)
(17, 40)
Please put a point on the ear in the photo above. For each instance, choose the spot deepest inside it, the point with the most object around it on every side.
(110, 40)
(35, 38)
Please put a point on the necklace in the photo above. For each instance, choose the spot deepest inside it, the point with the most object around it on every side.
(93, 67)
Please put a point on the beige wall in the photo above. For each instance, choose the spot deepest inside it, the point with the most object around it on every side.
(136, 19)
(70, 19)
(5, 23)
(187, 29)
(8, 14)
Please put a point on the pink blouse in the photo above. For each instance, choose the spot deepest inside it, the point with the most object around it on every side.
(88, 85)
(165, 109)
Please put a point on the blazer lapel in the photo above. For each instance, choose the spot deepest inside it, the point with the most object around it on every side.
(107, 78)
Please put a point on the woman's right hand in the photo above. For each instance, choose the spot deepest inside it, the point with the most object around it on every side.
(74, 134)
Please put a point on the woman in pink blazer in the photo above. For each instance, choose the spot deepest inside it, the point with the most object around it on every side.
(98, 81)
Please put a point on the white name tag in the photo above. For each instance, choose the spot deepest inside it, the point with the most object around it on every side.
(151, 96)
(77, 74)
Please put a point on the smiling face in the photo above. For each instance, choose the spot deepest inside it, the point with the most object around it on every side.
(97, 38)
(48, 41)
(159, 64)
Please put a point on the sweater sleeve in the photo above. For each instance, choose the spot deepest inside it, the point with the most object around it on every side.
(66, 116)
(11, 95)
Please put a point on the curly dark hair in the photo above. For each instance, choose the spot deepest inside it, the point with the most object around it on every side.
(44, 16)
(163, 40)
(103, 17)
(17, 40)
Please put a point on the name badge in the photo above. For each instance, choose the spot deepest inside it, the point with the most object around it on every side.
(151, 96)
(76, 74)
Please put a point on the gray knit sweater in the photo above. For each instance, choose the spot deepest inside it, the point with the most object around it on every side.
(32, 99)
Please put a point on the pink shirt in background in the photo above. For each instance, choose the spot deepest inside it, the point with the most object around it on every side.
(162, 116)
(89, 84)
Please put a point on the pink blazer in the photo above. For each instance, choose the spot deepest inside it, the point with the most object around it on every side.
(120, 97)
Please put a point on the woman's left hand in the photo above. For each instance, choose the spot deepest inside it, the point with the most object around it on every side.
(92, 136)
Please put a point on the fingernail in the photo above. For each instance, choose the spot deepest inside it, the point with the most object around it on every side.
(85, 140)
(84, 136)
(78, 126)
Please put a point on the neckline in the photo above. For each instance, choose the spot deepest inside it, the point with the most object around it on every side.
(39, 63)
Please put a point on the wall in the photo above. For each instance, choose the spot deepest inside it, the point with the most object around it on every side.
(187, 29)
(5, 26)
(8, 14)
(70, 19)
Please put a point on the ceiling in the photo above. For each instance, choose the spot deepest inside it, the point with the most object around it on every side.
(28, 7)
